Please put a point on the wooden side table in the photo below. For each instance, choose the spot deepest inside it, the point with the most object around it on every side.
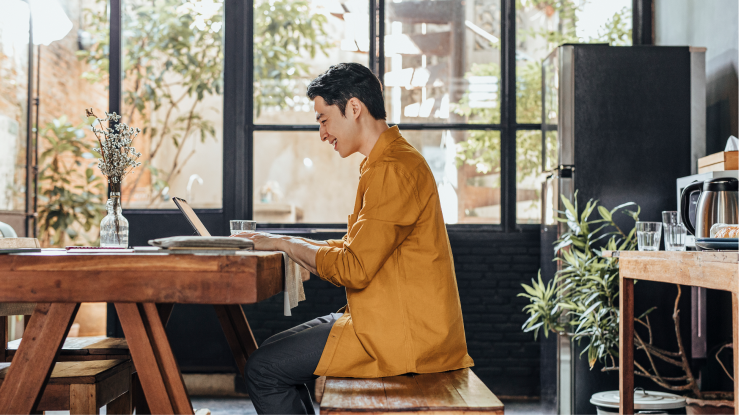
(715, 270)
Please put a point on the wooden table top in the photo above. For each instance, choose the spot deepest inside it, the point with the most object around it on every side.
(58, 276)
(708, 269)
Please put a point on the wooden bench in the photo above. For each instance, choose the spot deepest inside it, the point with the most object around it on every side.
(458, 391)
(83, 348)
(85, 387)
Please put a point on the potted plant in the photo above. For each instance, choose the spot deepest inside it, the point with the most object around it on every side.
(582, 302)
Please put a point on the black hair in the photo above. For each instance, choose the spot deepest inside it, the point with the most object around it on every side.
(345, 81)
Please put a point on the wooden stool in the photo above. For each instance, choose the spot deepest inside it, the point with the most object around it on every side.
(451, 392)
(84, 387)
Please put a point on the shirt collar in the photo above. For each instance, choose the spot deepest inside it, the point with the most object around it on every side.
(385, 139)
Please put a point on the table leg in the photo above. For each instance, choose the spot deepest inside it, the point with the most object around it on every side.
(735, 330)
(152, 356)
(238, 333)
(626, 347)
(165, 312)
(21, 390)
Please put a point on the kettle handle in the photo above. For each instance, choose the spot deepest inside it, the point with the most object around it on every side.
(685, 205)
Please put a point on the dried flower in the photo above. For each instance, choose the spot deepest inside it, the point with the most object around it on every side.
(118, 156)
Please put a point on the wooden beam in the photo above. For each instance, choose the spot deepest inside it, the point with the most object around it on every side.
(238, 333)
(166, 360)
(21, 389)
(144, 358)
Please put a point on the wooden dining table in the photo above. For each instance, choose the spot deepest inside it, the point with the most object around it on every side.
(144, 288)
(707, 269)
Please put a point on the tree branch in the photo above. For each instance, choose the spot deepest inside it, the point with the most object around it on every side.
(729, 345)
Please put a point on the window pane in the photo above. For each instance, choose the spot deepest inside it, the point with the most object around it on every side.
(466, 165)
(528, 173)
(442, 61)
(298, 178)
(173, 91)
(542, 26)
(295, 41)
(13, 104)
(70, 64)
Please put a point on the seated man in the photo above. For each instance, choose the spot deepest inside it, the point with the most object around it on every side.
(403, 313)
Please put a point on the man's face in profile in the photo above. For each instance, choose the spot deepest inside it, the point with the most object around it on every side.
(339, 130)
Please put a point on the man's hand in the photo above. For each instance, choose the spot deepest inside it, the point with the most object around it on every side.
(302, 251)
(263, 241)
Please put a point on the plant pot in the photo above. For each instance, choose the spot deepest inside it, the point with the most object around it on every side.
(645, 402)
(712, 403)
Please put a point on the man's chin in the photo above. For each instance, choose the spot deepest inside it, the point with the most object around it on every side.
(345, 155)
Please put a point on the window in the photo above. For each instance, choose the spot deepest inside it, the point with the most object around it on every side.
(55, 78)
(442, 61)
(462, 80)
(173, 90)
(300, 179)
(297, 40)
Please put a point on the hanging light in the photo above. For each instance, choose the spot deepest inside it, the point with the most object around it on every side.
(50, 23)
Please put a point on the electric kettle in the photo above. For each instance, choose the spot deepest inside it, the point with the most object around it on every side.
(718, 203)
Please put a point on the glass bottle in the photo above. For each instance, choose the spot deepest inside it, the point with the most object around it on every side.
(114, 227)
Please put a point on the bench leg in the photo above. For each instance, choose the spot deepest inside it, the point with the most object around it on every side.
(120, 405)
(21, 390)
(238, 333)
(83, 399)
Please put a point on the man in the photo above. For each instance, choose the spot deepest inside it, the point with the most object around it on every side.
(403, 313)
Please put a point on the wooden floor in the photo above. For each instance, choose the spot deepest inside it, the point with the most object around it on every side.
(243, 406)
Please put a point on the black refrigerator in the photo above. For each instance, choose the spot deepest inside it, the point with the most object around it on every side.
(617, 126)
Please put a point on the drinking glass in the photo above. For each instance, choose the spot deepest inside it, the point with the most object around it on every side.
(648, 235)
(238, 226)
(675, 231)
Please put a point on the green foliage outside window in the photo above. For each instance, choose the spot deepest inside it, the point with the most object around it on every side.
(70, 201)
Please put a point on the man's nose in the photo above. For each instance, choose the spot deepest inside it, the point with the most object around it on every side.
(324, 134)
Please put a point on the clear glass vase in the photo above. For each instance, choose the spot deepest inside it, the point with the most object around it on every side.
(114, 227)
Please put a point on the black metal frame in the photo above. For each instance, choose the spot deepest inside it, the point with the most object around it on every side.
(642, 22)
(238, 134)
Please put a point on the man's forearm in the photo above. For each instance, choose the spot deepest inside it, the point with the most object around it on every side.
(311, 241)
(302, 251)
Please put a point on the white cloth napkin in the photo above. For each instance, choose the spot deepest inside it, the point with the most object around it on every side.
(732, 144)
(294, 292)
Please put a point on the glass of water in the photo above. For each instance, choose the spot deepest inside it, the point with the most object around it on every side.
(238, 226)
(648, 235)
(675, 231)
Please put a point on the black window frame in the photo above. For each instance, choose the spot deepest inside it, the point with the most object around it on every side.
(238, 132)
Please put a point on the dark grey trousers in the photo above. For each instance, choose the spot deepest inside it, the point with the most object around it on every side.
(277, 372)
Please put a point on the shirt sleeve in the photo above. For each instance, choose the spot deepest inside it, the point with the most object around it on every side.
(336, 243)
(388, 215)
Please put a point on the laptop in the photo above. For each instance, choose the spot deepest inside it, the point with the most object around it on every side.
(191, 216)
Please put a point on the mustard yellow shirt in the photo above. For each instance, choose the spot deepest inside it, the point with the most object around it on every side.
(403, 314)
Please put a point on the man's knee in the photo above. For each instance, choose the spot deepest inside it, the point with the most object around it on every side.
(255, 366)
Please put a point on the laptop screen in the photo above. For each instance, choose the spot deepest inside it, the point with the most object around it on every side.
(191, 216)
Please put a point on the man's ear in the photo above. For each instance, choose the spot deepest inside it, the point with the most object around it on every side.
(353, 108)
